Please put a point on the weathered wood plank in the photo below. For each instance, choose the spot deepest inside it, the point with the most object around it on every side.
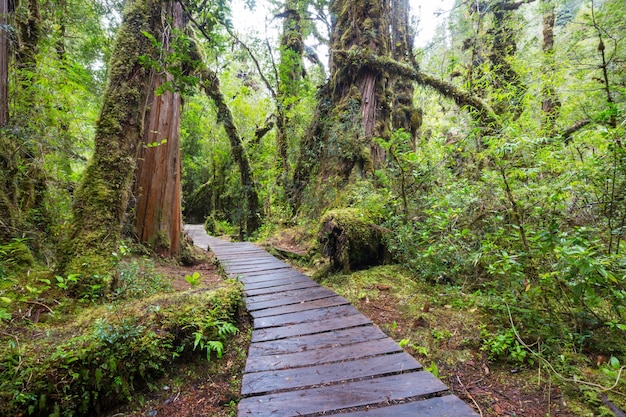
(446, 406)
(313, 355)
(308, 294)
(307, 305)
(258, 269)
(321, 356)
(250, 261)
(257, 383)
(275, 333)
(258, 302)
(316, 341)
(253, 284)
(317, 314)
(268, 274)
(281, 288)
(342, 396)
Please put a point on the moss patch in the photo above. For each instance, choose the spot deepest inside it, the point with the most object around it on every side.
(101, 358)
(351, 240)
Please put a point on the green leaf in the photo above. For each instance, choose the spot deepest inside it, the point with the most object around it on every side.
(614, 362)
(197, 340)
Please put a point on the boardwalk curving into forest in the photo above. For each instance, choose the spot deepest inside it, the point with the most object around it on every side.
(312, 353)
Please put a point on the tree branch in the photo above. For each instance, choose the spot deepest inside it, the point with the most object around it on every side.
(255, 60)
(460, 97)
(567, 133)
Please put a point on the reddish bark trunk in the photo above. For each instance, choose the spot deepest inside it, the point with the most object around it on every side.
(158, 216)
(158, 213)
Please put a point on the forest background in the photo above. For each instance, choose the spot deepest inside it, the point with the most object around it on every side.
(489, 162)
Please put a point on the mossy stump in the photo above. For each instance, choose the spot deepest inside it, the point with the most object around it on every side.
(351, 240)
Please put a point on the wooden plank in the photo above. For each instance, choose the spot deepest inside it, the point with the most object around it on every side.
(293, 295)
(316, 341)
(256, 260)
(247, 274)
(342, 396)
(269, 274)
(260, 266)
(275, 333)
(308, 294)
(281, 288)
(317, 314)
(253, 260)
(446, 406)
(241, 254)
(307, 305)
(253, 284)
(321, 356)
(271, 381)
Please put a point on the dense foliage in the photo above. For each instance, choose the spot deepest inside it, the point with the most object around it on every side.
(494, 160)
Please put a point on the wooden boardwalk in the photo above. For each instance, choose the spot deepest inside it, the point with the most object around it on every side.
(313, 354)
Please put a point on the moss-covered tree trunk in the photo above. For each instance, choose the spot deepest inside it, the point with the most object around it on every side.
(101, 199)
(550, 104)
(211, 85)
(359, 92)
(507, 83)
(355, 105)
(22, 179)
(4, 63)
(290, 72)
(404, 114)
(158, 214)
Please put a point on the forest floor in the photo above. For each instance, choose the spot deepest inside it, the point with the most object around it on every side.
(199, 388)
(444, 337)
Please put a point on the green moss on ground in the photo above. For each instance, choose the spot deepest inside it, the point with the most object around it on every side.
(100, 359)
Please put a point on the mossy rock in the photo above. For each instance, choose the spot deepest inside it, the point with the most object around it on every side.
(351, 240)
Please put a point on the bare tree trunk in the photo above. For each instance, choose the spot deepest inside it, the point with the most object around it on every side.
(4, 63)
(158, 214)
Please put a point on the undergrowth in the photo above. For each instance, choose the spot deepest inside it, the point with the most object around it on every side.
(103, 356)
(447, 326)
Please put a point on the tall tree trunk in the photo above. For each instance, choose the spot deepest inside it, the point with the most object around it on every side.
(404, 114)
(359, 26)
(28, 20)
(158, 214)
(290, 72)
(211, 85)
(503, 47)
(550, 104)
(101, 199)
(354, 107)
(4, 63)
